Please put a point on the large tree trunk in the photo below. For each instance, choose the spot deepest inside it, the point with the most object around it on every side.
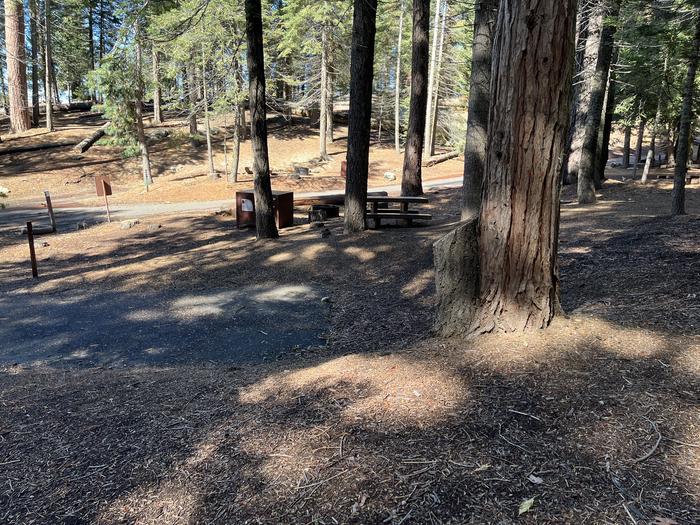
(16, 66)
(264, 212)
(323, 105)
(681, 169)
(397, 82)
(479, 101)
(626, 147)
(157, 102)
(141, 135)
(431, 74)
(48, 74)
(364, 27)
(518, 286)
(34, 37)
(411, 181)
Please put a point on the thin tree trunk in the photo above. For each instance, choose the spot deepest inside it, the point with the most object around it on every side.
(587, 164)
(681, 169)
(652, 143)
(639, 144)
(486, 12)
(436, 94)
(329, 113)
(157, 106)
(364, 28)
(431, 76)
(397, 82)
(411, 181)
(91, 41)
(16, 66)
(323, 105)
(207, 124)
(34, 36)
(236, 152)
(192, 96)
(141, 135)
(605, 131)
(102, 30)
(48, 75)
(264, 212)
(626, 147)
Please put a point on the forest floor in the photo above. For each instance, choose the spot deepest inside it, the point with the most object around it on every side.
(179, 166)
(596, 420)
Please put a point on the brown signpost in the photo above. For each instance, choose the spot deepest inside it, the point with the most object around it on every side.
(103, 186)
(49, 207)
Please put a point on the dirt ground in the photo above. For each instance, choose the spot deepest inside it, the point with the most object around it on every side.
(596, 420)
(179, 167)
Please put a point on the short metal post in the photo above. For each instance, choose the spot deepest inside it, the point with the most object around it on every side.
(32, 253)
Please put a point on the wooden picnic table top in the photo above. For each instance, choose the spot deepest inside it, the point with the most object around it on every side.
(415, 200)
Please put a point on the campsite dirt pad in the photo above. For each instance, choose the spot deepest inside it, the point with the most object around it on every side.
(593, 421)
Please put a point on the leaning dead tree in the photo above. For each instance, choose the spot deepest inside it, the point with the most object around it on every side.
(499, 272)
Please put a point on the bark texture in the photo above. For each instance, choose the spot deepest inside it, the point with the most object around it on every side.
(479, 100)
(596, 106)
(48, 74)
(364, 28)
(264, 212)
(681, 168)
(626, 147)
(34, 38)
(519, 220)
(16, 66)
(157, 106)
(411, 180)
(141, 135)
(397, 86)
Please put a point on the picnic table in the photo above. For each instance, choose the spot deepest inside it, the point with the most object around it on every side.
(379, 209)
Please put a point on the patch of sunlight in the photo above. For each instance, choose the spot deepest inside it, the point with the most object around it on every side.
(289, 293)
(280, 257)
(312, 252)
(389, 389)
(419, 284)
(143, 315)
(361, 254)
(169, 501)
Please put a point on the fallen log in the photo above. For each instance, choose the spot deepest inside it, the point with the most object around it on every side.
(38, 147)
(437, 159)
(87, 143)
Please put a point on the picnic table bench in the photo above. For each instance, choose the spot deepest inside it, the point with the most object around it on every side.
(379, 209)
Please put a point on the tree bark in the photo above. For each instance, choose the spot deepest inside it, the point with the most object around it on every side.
(411, 181)
(436, 84)
(518, 286)
(207, 124)
(16, 66)
(431, 75)
(323, 105)
(681, 169)
(236, 153)
(264, 212)
(638, 145)
(605, 130)
(141, 135)
(34, 37)
(364, 27)
(587, 165)
(626, 147)
(192, 96)
(397, 82)
(157, 106)
(48, 74)
(486, 12)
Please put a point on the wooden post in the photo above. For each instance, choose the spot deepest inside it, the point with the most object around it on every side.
(32, 253)
(49, 207)
(104, 191)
